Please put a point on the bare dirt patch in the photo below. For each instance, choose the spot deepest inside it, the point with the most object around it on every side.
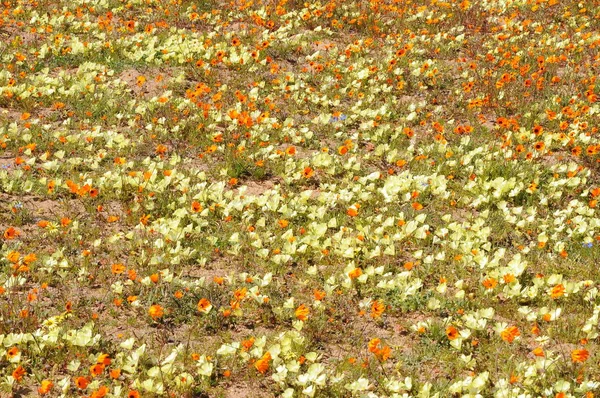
(257, 188)
(244, 390)
(145, 84)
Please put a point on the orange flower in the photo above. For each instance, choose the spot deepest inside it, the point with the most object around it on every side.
(291, 150)
(451, 332)
(538, 352)
(510, 333)
(557, 291)
(18, 373)
(539, 146)
(319, 295)
(115, 373)
(100, 393)
(377, 309)
(12, 352)
(308, 172)
(204, 306)
(13, 257)
(373, 345)
(156, 311)
(262, 365)
(580, 356)
(154, 278)
(131, 274)
(30, 258)
(352, 212)
(133, 394)
(117, 269)
(302, 312)
(247, 344)
(283, 223)
(384, 354)
(355, 273)
(196, 207)
(489, 283)
(96, 370)
(81, 382)
(11, 233)
(45, 387)
(239, 294)
(144, 219)
(547, 317)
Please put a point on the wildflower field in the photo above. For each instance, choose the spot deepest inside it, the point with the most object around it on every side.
(273, 198)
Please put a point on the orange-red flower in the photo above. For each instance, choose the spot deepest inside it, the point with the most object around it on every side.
(100, 392)
(580, 356)
(103, 359)
(352, 212)
(18, 373)
(81, 382)
(11, 233)
(196, 207)
(96, 370)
